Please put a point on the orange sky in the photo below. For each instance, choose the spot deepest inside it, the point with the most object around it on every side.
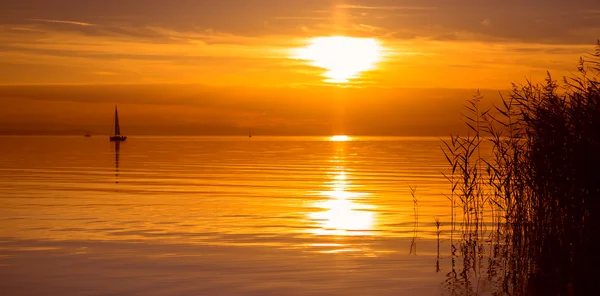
(219, 67)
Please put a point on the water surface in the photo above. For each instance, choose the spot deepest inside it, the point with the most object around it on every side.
(220, 216)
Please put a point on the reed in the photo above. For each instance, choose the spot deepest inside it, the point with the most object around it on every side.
(413, 243)
(438, 232)
(530, 204)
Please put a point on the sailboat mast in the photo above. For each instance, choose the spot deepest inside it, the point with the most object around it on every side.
(117, 127)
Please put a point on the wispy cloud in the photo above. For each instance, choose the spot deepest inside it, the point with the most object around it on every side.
(25, 29)
(367, 28)
(351, 6)
(299, 18)
(63, 22)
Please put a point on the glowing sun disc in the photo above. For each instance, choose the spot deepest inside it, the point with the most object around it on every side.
(344, 58)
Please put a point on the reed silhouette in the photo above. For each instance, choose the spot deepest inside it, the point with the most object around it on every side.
(438, 232)
(527, 179)
(413, 243)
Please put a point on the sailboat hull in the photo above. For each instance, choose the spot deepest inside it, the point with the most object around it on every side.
(118, 138)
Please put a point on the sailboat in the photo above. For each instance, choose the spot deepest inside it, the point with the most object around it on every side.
(250, 133)
(117, 137)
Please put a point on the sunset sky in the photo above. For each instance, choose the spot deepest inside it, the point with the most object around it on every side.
(221, 67)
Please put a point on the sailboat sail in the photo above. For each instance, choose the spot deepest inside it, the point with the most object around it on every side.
(117, 127)
(117, 137)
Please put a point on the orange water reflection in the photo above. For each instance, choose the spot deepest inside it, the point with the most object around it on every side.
(342, 214)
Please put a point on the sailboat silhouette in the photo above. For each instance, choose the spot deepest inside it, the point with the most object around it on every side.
(116, 136)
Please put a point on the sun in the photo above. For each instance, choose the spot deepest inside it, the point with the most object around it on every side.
(344, 58)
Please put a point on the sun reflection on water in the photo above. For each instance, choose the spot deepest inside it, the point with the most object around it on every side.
(341, 214)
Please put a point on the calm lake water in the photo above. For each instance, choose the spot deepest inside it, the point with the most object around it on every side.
(221, 216)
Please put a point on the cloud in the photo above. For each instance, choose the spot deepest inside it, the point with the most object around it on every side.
(367, 28)
(165, 55)
(198, 109)
(300, 18)
(63, 22)
(365, 7)
(25, 29)
(512, 19)
(207, 41)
